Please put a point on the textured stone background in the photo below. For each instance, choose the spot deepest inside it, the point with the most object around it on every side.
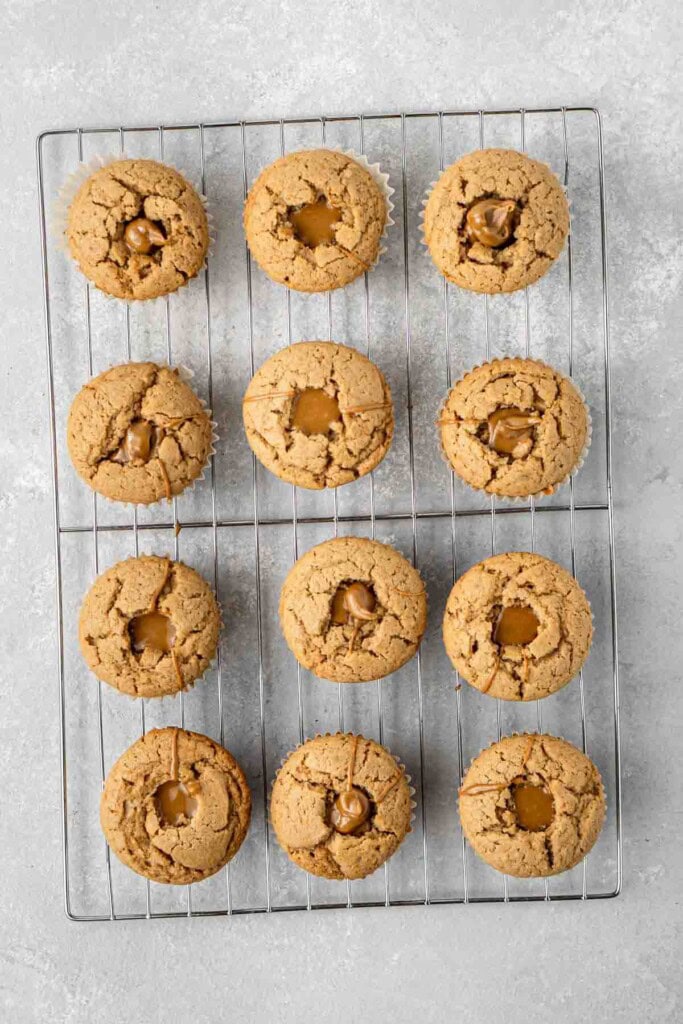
(68, 63)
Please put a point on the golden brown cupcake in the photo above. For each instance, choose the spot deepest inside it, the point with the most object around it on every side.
(517, 626)
(341, 806)
(318, 414)
(314, 220)
(149, 626)
(352, 610)
(175, 807)
(137, 229)
(532, 806)
(138, 433)
(514, 427)
(496, 221)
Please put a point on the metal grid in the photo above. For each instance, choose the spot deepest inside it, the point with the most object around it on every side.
(433, 866)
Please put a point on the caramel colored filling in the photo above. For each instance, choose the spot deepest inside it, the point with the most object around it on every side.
(313, 224)
(517, 625)
(509, 428)
(177, 802)
(350, 810)
(491, 222)
(315, 411)
(137, 444)
(353, 601)
(151, 630)
(143, 236)
(534, 807)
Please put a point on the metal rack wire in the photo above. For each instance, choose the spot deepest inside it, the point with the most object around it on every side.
(259, 701)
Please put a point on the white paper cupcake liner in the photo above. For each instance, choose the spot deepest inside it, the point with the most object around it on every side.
(59, 217)
(359, 736)
(161, 504)
(521, 499)
(381, 179)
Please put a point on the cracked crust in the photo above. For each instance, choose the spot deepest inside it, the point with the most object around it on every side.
(296, 180)
(129, 589)
(195, 849)
(119, 193)
(305, 788)
(558, 441)
(538, 237)
(106, 406)
(487, 811)
(380, 646)
(517, 672)
(352, 448)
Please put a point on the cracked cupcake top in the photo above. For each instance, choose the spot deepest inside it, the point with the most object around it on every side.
(517, 626)
(149, 626)
(138, 433)
(340, 806)
(314, 220)
(318, 414)
(495, 221)
(137, 229)
(514, 427)
(175, 807)
(532, 805)
(353, 610)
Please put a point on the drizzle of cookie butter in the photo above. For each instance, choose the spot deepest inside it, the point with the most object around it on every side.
(351, 808)
(509, 427)
(491, 222)
(516, 625)
(534, 807)
(314, 411)
(176, 802)
(313, 223)
(483, 787)
(143, 236)
(165, 478)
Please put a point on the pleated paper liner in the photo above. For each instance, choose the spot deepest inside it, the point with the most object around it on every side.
(67, 193)
(521, 499)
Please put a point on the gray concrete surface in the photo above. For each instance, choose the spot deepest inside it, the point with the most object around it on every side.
(68, 63)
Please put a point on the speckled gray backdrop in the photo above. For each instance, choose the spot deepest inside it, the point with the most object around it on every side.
(69, 63)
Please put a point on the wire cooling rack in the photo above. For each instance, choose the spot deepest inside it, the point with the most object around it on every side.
(242, 528)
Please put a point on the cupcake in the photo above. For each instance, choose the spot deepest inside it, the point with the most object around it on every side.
(341, 806)
(137, 229)
(532, 806)
(352, 610)
(495, 221)
(314, 220)
(138, 433)
(515, 428)
(149, 626)
(317, 414)
(517, 626)
(175, 807)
